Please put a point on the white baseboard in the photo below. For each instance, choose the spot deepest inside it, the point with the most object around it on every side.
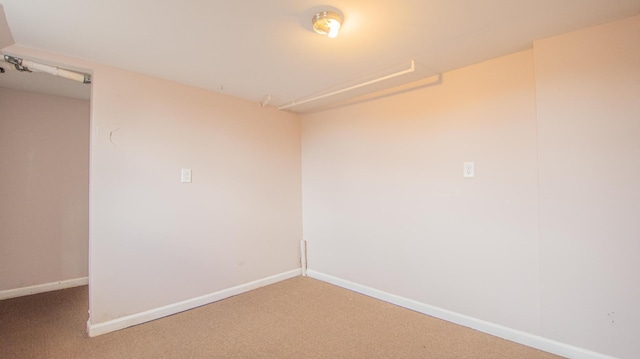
(149, 315)
(497, 330)
(41, 288)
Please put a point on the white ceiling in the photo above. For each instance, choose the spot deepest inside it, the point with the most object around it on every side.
(254, 48)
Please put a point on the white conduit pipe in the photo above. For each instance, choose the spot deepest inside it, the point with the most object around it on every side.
(411, 69)
(303, 257)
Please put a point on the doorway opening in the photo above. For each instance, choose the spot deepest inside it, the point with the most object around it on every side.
(44, 177)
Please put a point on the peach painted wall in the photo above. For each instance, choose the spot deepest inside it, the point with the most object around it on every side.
(386, 205)
(155, 241)
(44, 188)
(545, 239)
(588, 91)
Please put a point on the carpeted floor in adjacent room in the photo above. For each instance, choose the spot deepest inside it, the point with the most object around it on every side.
(297, 318)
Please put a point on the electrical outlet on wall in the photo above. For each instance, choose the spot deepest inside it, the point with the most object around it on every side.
(468, 170)
(185, 175)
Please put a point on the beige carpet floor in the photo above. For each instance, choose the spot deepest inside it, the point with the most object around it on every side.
(297, 318)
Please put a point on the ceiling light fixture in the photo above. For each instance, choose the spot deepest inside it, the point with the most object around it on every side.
(327, 23)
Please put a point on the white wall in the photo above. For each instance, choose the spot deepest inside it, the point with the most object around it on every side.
(588, 93)
(551, 251)
(44, 189)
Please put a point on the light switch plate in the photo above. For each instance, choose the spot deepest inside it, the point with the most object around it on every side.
(185, 175)
(468, 170)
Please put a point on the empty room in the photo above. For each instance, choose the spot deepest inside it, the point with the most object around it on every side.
(300, 179)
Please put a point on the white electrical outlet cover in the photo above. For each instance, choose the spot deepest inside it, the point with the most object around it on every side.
(468, 170)
(185, 175)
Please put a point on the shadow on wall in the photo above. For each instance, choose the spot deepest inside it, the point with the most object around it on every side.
(6, 39)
